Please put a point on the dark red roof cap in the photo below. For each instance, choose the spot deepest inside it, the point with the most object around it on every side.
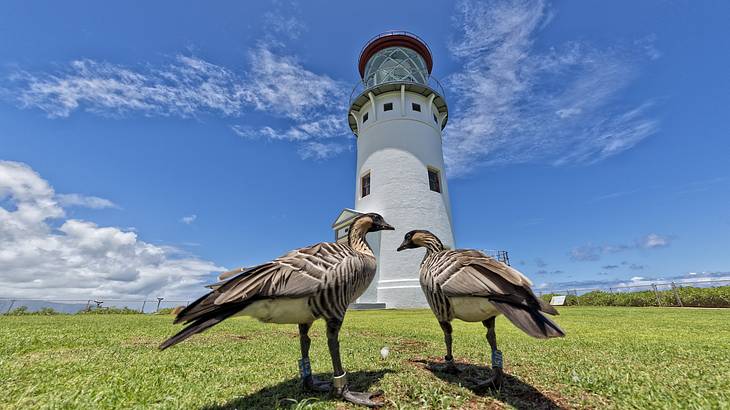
(394, 39)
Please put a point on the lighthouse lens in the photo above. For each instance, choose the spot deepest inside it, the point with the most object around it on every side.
(395, 64)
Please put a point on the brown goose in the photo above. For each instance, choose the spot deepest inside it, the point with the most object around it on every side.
(471, 286)
(300, 287)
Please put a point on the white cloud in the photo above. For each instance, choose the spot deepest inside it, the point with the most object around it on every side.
(187, 220)
(80, 259)
(92, 202)
(654, 241)
(319, 150)
(515, 103)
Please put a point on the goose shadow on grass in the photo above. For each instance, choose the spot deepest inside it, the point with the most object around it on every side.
(290, 392)
(514, 391)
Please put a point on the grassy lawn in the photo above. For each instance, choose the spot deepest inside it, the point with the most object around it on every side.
(612, 357)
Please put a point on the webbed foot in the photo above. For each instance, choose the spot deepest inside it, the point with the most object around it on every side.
(312, 383)
(361, 398)
(495, 382)
(451, 368)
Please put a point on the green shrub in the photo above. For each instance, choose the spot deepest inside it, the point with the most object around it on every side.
(23, 310)
(110, 311)
(47, 311)
(19, 311)
(690, 296)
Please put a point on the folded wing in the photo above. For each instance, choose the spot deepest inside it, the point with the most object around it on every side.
(296, 274)
(471, 273)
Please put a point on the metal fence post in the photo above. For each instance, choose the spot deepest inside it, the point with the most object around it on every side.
(12, 302)
(656, 293)
(143, 303)
(159, 299)
(676, 294)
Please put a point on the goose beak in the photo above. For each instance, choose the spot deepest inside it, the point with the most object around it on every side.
(403, 246)
(385, 227)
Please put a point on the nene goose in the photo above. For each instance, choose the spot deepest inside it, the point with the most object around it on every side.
(471, 286)
(306, 284)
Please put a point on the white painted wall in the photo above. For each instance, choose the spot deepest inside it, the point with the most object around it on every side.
(397, 147)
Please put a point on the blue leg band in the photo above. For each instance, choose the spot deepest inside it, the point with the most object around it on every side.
(305, 369)
(497, 359)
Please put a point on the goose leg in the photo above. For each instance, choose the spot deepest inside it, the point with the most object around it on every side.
(340, 387)
(305, 369)
(496, 380)
(449, 358)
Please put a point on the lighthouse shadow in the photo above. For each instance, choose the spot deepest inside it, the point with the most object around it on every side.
(514, 391)
(289, 393)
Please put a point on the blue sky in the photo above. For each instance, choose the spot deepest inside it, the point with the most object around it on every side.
(148, 145)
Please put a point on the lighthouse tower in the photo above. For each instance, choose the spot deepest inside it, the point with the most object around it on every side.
(397, 115)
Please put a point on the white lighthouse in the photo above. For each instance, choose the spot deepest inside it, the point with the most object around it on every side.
(397, 114)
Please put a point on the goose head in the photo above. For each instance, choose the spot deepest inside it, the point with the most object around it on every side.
(420, 238)
(371, 222)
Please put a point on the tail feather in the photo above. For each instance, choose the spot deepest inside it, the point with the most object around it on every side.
(547, 307)
(202, 323)
(530, 321)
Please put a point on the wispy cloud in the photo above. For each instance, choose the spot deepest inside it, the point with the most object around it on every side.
(593, 252)
(189, 86)
(185, 87)
(319, 150)
(189, 219)
(282, 22)
(93, 202)
(515, 103)
(654, 240)
(698, 279)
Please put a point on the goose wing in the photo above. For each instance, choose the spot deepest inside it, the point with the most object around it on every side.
(472, 273)
(296, 274)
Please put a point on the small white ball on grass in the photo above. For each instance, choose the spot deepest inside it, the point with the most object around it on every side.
(384, 352)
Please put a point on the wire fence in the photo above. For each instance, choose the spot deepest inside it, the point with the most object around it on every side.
(11, 305)
(665, 293)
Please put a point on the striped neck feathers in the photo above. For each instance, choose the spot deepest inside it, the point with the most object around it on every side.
(356, 236)
(431, 243)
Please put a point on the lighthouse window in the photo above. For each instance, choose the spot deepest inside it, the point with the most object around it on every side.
(365, 117)
(434, 181)
(387, 106)
(416, 107)
(365, 185)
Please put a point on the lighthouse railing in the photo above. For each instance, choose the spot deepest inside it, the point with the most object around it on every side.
(361, 87)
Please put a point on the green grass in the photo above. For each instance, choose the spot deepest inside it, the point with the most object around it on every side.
(612, 357)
